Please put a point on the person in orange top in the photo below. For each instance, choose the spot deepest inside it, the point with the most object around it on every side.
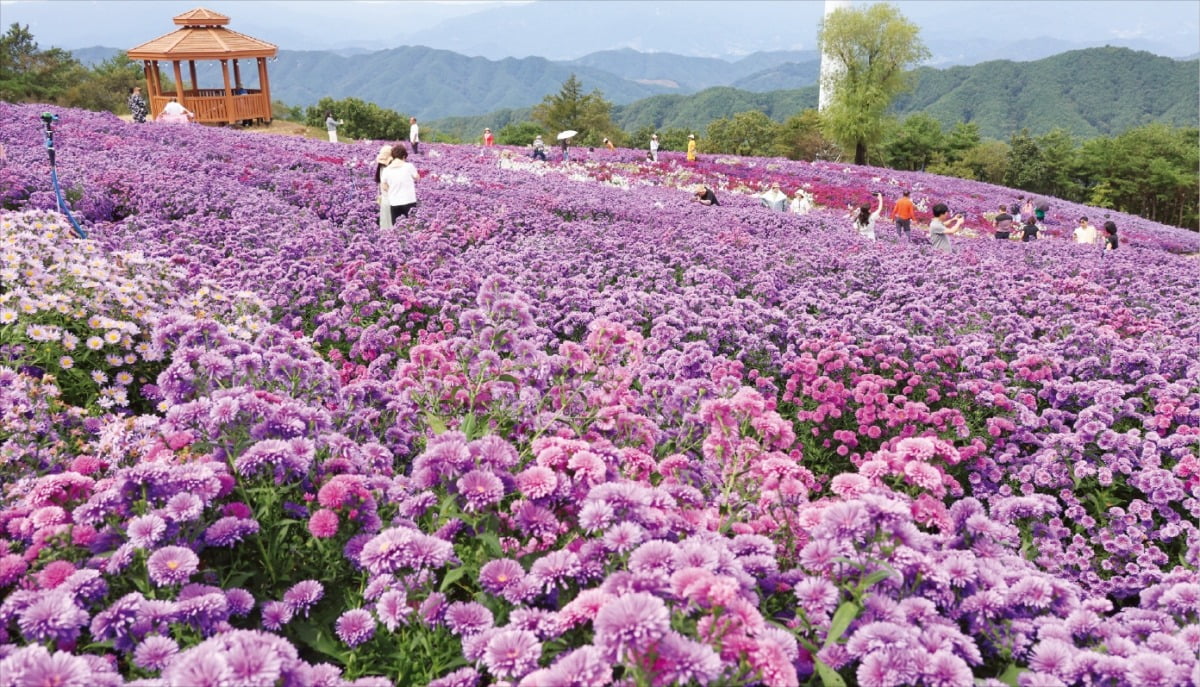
(903, 212)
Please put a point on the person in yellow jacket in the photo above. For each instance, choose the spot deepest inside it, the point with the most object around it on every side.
(691, 153)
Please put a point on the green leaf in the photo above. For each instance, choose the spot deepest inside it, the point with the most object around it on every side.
(508, 378)
(1011, 674)
(872, 579)
(492, 542)
(452, 576)
(829, 676)
(842, 617)
(435, 423)
(319, 641)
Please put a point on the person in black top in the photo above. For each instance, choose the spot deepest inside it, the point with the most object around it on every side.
(1029, 232)
(705, 196)
(1110, 235)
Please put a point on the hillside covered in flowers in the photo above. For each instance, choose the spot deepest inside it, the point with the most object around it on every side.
(562, 426)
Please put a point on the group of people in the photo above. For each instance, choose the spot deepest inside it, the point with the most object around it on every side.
(538, 146)
(173, 112)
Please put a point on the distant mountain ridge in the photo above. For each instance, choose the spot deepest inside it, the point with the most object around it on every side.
(1089, 93)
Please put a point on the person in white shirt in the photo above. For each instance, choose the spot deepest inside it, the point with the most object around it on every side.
(774, 199)
(654, 147)
(174, 112)
(331, 126)
(802, 202)
(864, 217)
(1085, 233)
(414, 135)
(399, 182)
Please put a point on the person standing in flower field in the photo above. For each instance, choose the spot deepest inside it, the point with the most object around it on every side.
(414, 135)
(691, 149)
(653, 148)
(539, 148)
(137, 105)
(1085, 233)
(382, 160)
(903, 213)
(1110, 235)
(488, 138)
(941, 226)
(1003, 223)
(399, 182)
(865, 218)
(331, 126)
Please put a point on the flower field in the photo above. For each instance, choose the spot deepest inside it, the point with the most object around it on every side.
(563, 427)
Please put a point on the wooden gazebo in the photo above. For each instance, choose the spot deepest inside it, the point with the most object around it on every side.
(202, 36)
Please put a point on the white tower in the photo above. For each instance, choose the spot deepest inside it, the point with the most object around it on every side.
(829, 66)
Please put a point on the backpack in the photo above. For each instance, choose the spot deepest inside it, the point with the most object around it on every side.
(1015, 209)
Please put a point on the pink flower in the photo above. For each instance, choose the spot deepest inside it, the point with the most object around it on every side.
(323, 524)
(536, 482)
(849, 485)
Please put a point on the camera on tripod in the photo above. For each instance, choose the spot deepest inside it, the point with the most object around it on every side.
(49, 118)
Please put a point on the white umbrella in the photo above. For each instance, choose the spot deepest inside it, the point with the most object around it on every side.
(567, 134)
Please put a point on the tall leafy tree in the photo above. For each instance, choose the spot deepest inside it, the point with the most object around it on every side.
(873, 49)
(589, 114)
(745, 133)
(800, 138)
(915, 143)
(28, 74)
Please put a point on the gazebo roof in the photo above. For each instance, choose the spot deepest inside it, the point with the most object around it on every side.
(203, 37)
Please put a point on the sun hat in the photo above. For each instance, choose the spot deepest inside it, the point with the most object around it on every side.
(691, 135)
(385, 155)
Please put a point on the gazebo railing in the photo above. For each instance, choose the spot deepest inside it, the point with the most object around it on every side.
(210, 105)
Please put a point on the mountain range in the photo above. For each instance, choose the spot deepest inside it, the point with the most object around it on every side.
(1095, 91)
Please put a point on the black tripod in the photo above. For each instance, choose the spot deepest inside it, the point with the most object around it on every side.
(49, 118)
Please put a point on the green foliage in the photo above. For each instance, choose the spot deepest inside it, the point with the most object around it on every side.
(674, 138)
(107, 87)
(1150, 171)
(800, 138)
(288, 113)
(746, 133)
(521, 134)
(570, 108)
(873, 48)
(360, 119)
(28, 74)
(915, 144)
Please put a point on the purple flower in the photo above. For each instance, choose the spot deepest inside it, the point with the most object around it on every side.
(355, 627)
(392, 609)
(303, 595)
(463, 677)
(497, 575)
(583, 667)
(34, 666)
(886, 669)
(230, 530)
(240, 601)
(154, 652)
(172, 565)
(944, 669)
(554, 569)
(183, 507)
(467, 618)
(145, 530)
(512, 653)
(630, 623)
(684, 661)
(53, 616)
(275, 614)
(481, 489)
(402, 547)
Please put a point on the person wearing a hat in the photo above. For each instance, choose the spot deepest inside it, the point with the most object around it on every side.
(488, 138)
(654, 147)
(609, 144)
(704, 195)
(691, 152)
(539, 148)
(383, 159)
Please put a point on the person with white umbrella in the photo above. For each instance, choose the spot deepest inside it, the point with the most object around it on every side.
(564, 138)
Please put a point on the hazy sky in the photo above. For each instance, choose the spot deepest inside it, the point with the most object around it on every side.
(562, 29)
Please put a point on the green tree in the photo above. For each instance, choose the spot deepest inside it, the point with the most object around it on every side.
(915, 143)
(106, 86)
(800, 138)
(872, 48)
(963, 137)
(28, 74)
(674, 138)
(1026, 167)
(589, 114)
(360, 119)
(746, 133)
(519, 134)
(1150, 171)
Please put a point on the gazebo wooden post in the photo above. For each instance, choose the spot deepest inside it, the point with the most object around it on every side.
(237, 75)
(230, 114)
(178, 82)
(149, 79)
(264, 85)
(192, 72)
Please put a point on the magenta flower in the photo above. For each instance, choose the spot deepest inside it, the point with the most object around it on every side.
(145, 530)
(467, 618)
(497, 575)
(154, 652)
(172, 565)
(302, 595)
(480, 489)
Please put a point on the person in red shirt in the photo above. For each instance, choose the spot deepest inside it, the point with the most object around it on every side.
(903, 212)
(488, 139)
